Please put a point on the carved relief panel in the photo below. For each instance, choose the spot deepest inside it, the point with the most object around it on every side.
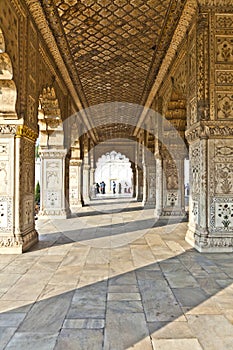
(221, 169)
(221, 185)
(6, 182)
(225, 106)
(224, 52)
(224, 66)
(195, 162)
(53, 182)
(172, 199)
(171, 174)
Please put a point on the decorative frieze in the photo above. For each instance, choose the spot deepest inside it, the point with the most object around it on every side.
(10, 242)
(8, 129)
(209, 130)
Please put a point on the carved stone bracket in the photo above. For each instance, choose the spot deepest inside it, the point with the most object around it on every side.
(25, 131)
(209, 129)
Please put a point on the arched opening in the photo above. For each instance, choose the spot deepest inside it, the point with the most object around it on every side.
(8, 93)
(114, 170)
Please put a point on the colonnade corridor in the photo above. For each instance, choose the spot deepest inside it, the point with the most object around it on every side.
(113, 278)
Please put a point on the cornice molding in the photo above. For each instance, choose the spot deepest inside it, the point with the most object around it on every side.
(209, 129)
(215, 3)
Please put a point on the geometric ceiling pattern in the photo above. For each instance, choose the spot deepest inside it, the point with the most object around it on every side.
(113, 48)
(112, 44)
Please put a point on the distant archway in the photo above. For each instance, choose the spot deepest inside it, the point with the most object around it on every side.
(114, 167)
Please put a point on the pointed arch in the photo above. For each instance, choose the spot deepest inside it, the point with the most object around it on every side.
(8, 91)
(49, 119)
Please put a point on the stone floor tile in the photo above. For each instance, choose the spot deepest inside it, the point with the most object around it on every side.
(6, 334)
(124, 296)
(47, 316)
(15, 306)
(181, 280)
(124, 307)
(112, 277)
(85, 323)
(8, 280)
(81, 339)
(29, 341)
(189, 296)
(213, 331)
(176, 344)
(11, 319)
(126, 331)
(170, 330)
(126, 288)
(66, 275)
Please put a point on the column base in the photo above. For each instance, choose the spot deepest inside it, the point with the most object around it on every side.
(18, 245)
(148, 204)
(53, 214)
(206, 244)
(74, 208)
(173, 213)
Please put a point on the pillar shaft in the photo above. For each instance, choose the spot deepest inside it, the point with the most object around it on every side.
(75, 184)
(53, 201)
(17, 158)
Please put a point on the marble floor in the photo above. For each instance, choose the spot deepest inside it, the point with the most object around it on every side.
(113, 278)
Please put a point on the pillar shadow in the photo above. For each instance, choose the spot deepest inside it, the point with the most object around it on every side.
(121, 311)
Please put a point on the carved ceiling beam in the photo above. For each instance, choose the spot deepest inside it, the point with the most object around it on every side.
(179, 34)
(38, 15)
(215, 3)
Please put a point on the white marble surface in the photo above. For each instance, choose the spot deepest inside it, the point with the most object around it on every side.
(107, 280)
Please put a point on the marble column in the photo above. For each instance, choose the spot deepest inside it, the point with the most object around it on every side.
(173, 199)
(149, 185)
(53, 201)
(134, 182)
(211, 190)
(75, 185)
(159, 186)
(86, 183)
(17, 167)
(139, 183)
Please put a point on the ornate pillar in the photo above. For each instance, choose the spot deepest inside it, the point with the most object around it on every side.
(17, 158)
(92, 175)
(138, 172)
(210, 132)
(149, 172)
(173, 204)
(75, 184)
(134, 183)
(139, 183)
(159, 183)
(86, 183)
(53, 201)
(86, 174)
(149, 185)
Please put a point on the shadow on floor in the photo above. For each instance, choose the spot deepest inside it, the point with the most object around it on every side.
(119, 312)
